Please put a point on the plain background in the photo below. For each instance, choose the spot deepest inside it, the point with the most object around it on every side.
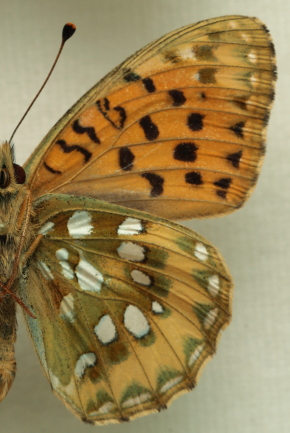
(246, 387)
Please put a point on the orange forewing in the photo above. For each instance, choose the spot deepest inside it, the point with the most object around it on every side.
(177, 130)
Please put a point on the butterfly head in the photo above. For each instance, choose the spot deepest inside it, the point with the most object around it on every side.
(12, 178)
(12, 175)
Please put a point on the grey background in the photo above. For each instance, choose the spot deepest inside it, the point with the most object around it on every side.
(246, 387)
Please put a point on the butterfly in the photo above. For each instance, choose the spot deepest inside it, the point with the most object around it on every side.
(123, 305)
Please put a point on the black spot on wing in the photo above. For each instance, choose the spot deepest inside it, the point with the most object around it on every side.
(223, 183)
(238, 129)
(149, 85)
(221, 193)
(178, 97)
(185, 152)
(75, 147)
(150, 129)
(195, 121)
(131, 76)
(193, 178)
(156, 182)
(234, 158)
(89, 130)
(241, 102)
(126, 158)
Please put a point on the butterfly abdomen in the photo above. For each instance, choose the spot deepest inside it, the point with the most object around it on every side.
(7, 341)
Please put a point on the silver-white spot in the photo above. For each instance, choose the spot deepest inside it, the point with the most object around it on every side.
(140, 277)
(213, 285)
(245, 37)
(136, 322)
(195, 355)
(105, 408)
(131, 226)
(54, 380)
(201, 252)
(233, 24)
(89, 278)
(79, 224)
(105, 330)
(61, 389)
(46, 272)
(252, 57)
(62, 255)
(157, 308)
(131, 251)
(86, 360)
(210, 318)
(196, 76)
(254, 79)
(187, 53)
(67, 270)
(47, 227)
(133, 401)
(66, 308)
(171, 383)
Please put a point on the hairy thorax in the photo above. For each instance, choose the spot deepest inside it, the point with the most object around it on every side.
(15, 232)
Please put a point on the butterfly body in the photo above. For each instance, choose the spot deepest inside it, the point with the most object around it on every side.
(16, 233)
(123, 305)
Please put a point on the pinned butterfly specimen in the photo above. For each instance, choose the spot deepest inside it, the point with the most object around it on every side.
(124, 307)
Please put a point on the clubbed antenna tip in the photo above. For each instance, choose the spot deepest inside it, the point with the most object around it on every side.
(67, 31)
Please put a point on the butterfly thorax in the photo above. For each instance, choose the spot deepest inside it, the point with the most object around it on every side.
(15, 231)
(11, 231)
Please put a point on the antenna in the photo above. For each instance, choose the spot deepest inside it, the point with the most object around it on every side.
(67, 32)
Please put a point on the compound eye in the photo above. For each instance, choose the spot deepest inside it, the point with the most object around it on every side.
(20, 175)
(4, 178)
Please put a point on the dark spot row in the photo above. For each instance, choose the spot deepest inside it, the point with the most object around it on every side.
(193, 178)
(184, 151)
